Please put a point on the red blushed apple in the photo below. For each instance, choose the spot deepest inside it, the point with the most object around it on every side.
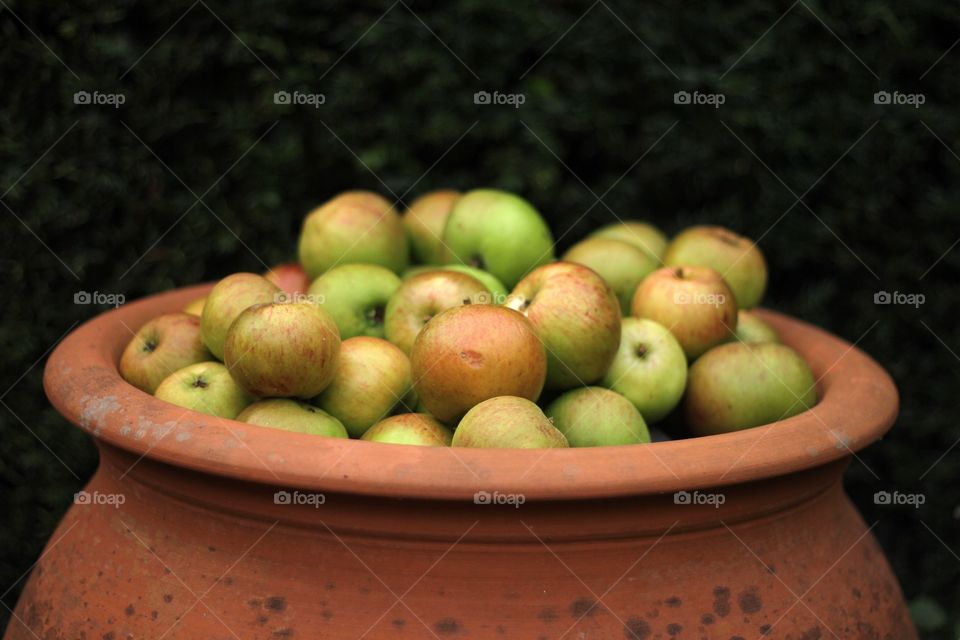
(353, 227)
(471, 353)
(693, 302)
(577, 317)
(290, 277)
(423, 296)
(163, 345)
(227, 300)
(283, 350)
(736, 258)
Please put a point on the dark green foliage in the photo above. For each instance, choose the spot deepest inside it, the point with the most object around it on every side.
(876, 214)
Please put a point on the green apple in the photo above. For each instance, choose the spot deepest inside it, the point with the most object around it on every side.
(424, 222)
(206, 387)
(163, 345)
(650, 368)
(642, 235)
(753, 328)
(498, 232)
(287, 350)
(227, 300)
(425, 295)
(293, 415)
(290, 277)
(355, 226)
(577, 317)
(410, 428)
(735, 258)
(507, 422)
(739, 385)
(620, 264)
(356, 295)
(693, 302)
(597, 417)
(195, 308)
(371, 383)
(470, 353)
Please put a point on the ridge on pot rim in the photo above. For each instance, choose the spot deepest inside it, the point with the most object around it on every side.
(858, 404)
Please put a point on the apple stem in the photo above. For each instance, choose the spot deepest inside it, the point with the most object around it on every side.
(376, 315)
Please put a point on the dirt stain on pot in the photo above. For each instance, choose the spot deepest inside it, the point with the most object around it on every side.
(583, 607)
(447, 626)
(750, 601)
(673, 601)
(275, 603)
(721, 601)
(547, 615)
(674, 629)
(398, 623)
(129, 610)
(636, 629)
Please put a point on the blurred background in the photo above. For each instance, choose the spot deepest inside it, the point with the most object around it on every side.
(829, 132)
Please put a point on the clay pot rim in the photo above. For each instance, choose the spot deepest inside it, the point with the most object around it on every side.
(858, 404)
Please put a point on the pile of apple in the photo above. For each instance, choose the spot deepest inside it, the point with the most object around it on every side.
(486, 340)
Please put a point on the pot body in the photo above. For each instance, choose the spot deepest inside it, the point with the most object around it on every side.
(185, 554)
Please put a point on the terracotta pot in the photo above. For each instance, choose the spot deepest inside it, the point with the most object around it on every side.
(401, 547)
